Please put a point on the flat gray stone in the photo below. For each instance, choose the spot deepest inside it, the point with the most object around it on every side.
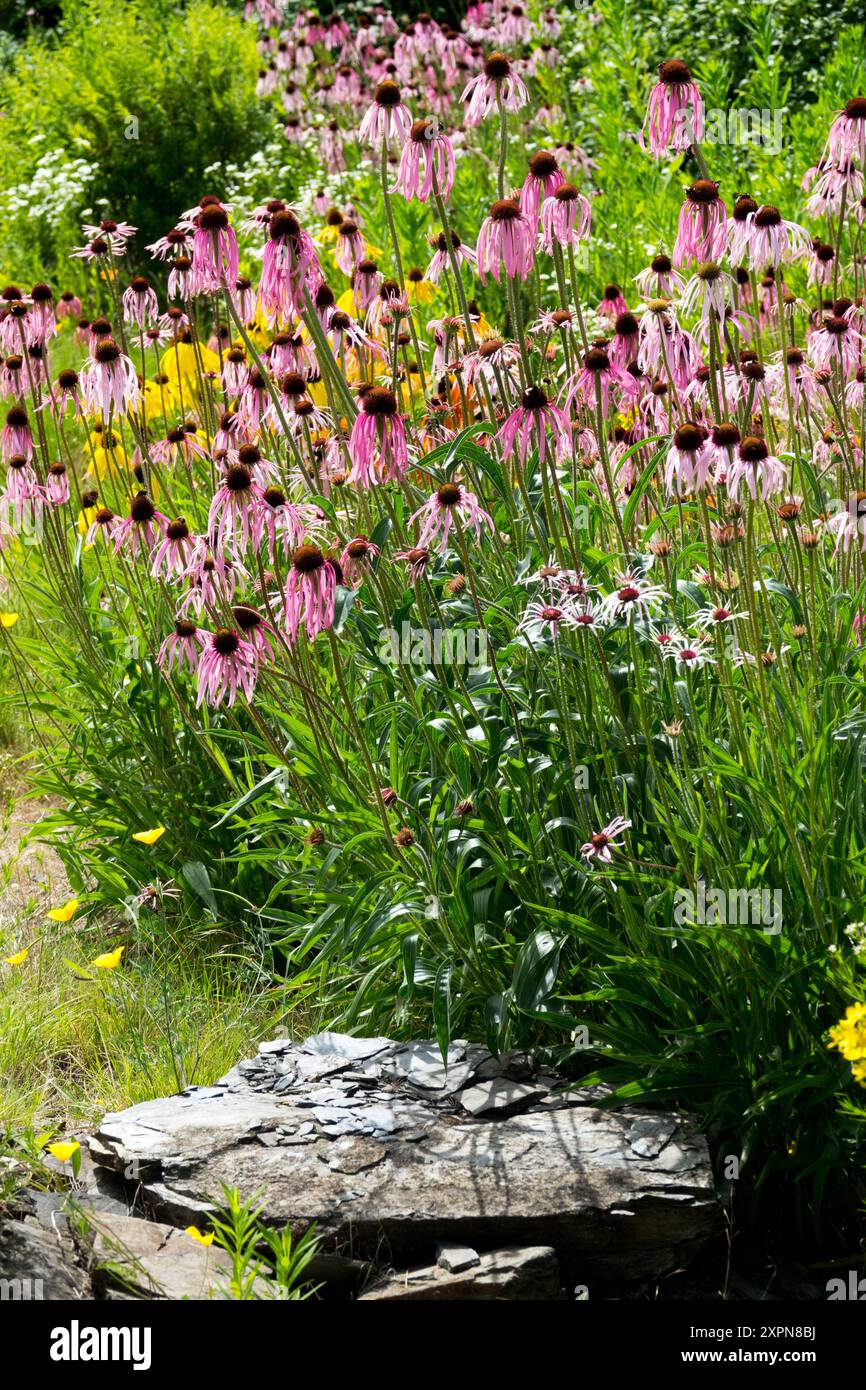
(38, 1264)
(158, 1261)
(499, 1096)
(529, 1273)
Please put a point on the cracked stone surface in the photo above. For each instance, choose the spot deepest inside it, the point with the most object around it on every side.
(392, 1154)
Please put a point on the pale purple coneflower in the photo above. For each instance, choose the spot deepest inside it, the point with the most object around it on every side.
(450, 505)
(109, 380)
(174, 552)
(541, 182)
(427, 145)
(530, 423)
(600, 844)
(675, 112)
(357, 560)
(310, 592)
(214, 248)
(754, 465)
(565, 218)
(140, 305)
(141, 529)
(506, 240)
(702, 226)
(378, 439)
(181, 648)
(228, 666)
(386, 119)
(634, 596)
(497, 85)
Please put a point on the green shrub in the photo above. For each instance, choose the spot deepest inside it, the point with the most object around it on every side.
(132, 102)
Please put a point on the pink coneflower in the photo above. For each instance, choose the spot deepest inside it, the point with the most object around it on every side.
(117, 234)
(65, 392)
(244, 298)
(366, 281)
(688, 463)
(565, 218)
(665, 347)
(181, 282)
(21, 482)
(612, 302)
(140, 304)
(701, 231)
(497, 85)
(345, 335)
(214, 248)
(463, 254)
(182, 648)
(690, 653)
(529, 424)
(624, 348)
(228, 665)
(231, 509)
(801, 383)
(603, 841)
(57, 484)
(104, 524)
(505, 240)
(848, 523)
(763, 237)
(310, 592)
(720, 445)
(378, 438)
(633, 597)
(109, 381)
(544, 618)
(350, 246)
(836, 342)
(847, 137)
(493, 361)
(256, 630)
(357, 560)
(427, 141)
(675, 112)
(596, 374)
(275, 516)
(174, 552)
(833, 185)
(288, 257)
(141, 528)
(449, 504)
(174, 243)
(821, 258)
(42, 322)
(68, 305)
(235, 371)
(212, 578)
(541, 182)
(707, 292)
(16, 440)
(755, 465)
(659, 280)
(387, 119)
(181, 443)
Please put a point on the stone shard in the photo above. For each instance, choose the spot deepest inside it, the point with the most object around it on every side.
(456, 1258)
(621, 1196)
(522, 1273)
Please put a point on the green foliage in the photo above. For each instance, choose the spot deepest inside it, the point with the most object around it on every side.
(146, 97)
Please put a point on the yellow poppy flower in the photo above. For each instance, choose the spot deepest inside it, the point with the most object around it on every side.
(64, 913)
(110, 960)
(195, 1234)
(8, 619)
(149, 837)
(64, 1149)
(19, 957)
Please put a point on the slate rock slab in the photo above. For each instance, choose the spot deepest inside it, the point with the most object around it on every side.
(531, 1273)
(373, 1141)
(157, 1261)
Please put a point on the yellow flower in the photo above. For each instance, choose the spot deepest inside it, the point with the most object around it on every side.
(149, 837)
(63, 1150)
(64, 913)
(8, 619)
(19, 957)
(110, 960)
(195, 1234)
(420, 291)
(849, 1035)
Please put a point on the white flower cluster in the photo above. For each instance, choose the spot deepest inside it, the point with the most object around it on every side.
(56, 186)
